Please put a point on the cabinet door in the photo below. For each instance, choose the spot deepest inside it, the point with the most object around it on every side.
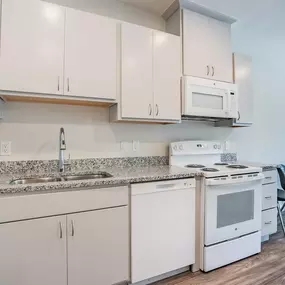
(220, 50)
(90, 55)
(243, 78)
(137, 74)
(31, 47)
(196, 61)
(166, 76)
(98, 247)
(33, 252)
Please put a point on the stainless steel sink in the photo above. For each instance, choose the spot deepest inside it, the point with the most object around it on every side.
(97, 175)
(35, 180)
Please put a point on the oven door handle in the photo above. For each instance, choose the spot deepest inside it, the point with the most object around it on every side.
(213, 182)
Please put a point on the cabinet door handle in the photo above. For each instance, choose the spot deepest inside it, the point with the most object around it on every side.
(58, 79)
(268, 177)
(68, 86)
(149, 109)
(213, 70)
(1, 15)
(268, 223)
(268, 197)
(208, 69)
(60, 230)
(238, 115)
(72, 229)
(157, 110)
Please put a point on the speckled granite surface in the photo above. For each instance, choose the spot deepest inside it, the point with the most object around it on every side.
(264, 166)
(229, 157)
(123, 175)
(42, 166)
(232, 158)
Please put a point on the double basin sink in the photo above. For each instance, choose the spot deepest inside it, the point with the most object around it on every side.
(34, 180)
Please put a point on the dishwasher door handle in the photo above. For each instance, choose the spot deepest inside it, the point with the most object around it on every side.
(167, 186)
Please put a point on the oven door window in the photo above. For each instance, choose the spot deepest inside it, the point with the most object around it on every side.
(235, 208)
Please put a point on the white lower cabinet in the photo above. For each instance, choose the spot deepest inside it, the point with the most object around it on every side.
(269, 222)
(269, 204)
(33, 252)
(98, 247)
(85, 248)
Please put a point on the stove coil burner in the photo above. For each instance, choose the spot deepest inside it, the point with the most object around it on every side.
(195, 166)
(210, 169)
(238, 166)
(221, 163)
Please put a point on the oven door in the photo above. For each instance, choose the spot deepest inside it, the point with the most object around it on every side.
(205, 99)
(232, 209)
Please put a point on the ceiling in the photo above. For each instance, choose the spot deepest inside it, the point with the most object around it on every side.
(239, 9)
(157, 7)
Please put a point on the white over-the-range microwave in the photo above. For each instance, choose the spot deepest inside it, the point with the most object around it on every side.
(209, 98)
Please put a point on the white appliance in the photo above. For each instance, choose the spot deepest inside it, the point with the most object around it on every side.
(162, 228)
(208, 98)
(229, 201)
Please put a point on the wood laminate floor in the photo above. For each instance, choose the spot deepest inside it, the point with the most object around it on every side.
(266, 268)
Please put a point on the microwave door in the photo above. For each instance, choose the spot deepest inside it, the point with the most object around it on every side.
(207, 102)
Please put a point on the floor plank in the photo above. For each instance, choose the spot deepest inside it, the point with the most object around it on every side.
(266, 268)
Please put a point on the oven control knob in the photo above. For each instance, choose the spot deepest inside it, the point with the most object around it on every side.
(175, 147)
(181, 147)
(215, 146)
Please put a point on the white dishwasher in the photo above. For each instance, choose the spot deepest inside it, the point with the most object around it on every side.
(162, 227)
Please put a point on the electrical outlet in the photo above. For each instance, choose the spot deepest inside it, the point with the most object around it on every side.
(136, 145)
(6, 148)
(123, 146)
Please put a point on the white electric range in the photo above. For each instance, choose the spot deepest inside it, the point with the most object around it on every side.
(228, 204)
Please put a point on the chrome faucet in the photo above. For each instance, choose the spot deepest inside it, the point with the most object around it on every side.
(62, 148)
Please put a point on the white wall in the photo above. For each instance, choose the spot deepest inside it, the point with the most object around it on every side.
(33, 128)
(260, 32)
(34, 132)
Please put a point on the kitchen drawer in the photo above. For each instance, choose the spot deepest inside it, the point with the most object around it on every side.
(269, 222)
(269, 196)
(270, 177)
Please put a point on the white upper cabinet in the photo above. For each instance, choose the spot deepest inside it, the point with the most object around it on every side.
(33, 252)
(242, 75)
(166, 76)
(206, 47)
(151, 71)
(220, 50)
(196, 59)
(243, 78)
(90, 55)
(31, 47)
(136, 72)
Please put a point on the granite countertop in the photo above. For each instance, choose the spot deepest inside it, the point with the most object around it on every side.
(120, 176)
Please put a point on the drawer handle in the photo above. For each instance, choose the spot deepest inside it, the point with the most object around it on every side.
(268, 177)
(268, 197)
(268, 223)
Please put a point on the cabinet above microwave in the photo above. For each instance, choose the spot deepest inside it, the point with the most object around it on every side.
(208, 98)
